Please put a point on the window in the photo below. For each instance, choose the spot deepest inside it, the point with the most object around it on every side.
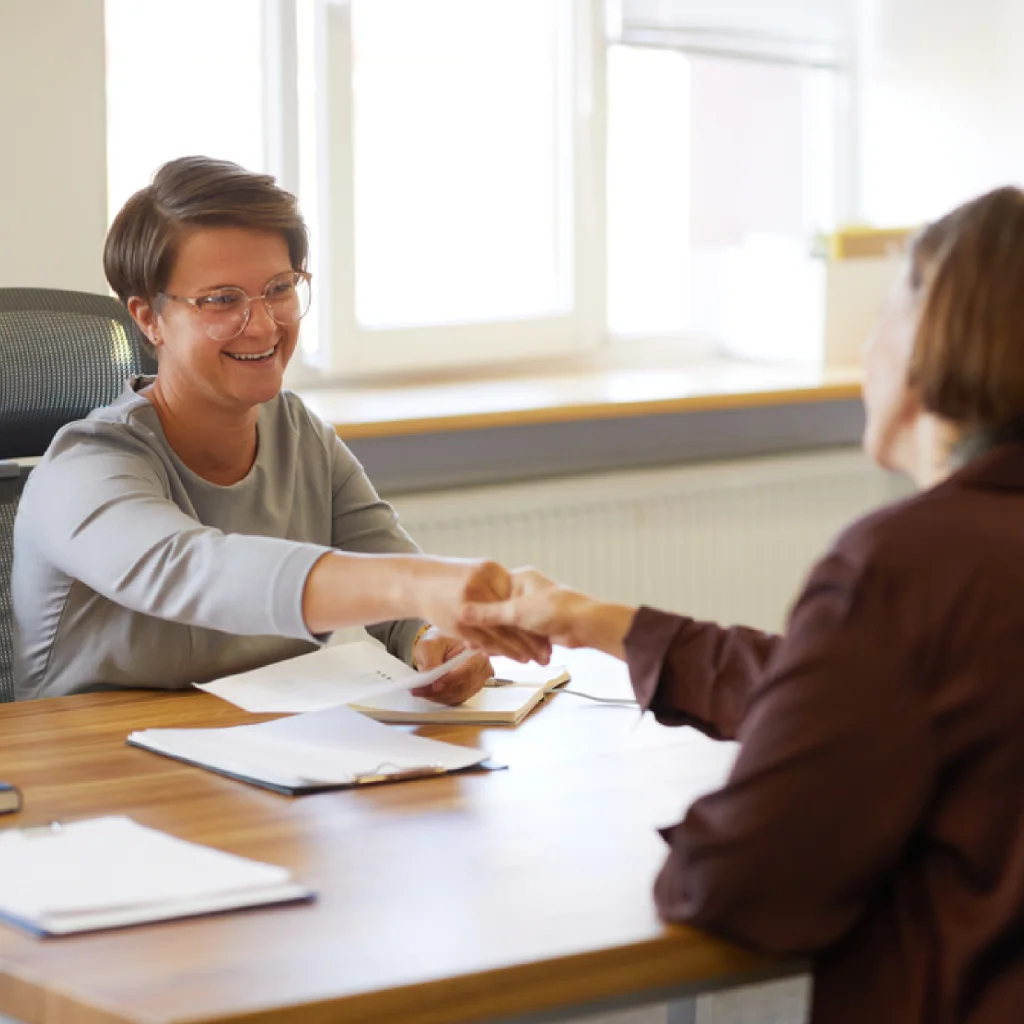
(722, 173)
(457, 163)
(459, 181)
(496, 180)
(727, 157)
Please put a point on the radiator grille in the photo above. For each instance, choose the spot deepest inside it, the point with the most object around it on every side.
(726, 541)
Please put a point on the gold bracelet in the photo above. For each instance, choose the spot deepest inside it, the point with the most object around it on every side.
(415, 641)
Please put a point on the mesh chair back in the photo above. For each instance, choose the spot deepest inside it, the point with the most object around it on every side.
(62, 354)
(12, 480)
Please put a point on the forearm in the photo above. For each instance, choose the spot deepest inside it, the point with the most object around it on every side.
(347, 589)
(695, 673)
(604, 626)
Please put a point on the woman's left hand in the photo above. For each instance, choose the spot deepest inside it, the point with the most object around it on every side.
(433, 648)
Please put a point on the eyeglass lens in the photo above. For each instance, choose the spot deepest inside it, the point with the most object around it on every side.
(225, 313)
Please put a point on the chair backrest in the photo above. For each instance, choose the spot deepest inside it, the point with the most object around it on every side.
(62, 354)
(12, 480)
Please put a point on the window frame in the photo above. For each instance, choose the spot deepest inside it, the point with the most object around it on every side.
(345, 349)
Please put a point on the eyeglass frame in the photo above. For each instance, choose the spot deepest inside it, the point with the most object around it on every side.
(303, 275)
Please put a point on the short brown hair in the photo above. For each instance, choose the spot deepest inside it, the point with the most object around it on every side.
(968, 271)
(193, 191)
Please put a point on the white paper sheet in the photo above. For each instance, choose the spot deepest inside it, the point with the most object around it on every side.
(345, 674)
(103, 872)
(336, 746)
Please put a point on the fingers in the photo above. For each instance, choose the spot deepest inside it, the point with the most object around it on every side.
(480, 614)
(459, 684)
(523, 645)
(433, 648)
(506, 619)
(489, 582)
(509, 642)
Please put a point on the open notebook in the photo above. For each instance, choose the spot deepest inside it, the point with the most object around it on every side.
(506, 700)
(111, 872)
(363, 675)
(331, 749)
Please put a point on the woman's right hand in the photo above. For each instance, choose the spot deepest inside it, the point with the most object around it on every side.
(450, 585)
(538, 606)
(348, 589)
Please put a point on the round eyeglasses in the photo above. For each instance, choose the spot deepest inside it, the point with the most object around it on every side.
(226, 312)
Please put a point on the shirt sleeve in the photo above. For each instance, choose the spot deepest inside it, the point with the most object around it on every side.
(101, 511)
(695, 673)
(364, 523)
(835, 766)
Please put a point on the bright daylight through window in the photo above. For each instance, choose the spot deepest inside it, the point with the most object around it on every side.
(492, 180)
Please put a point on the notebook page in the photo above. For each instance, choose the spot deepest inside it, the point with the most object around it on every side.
(330, 746)
(531, 674)
(326, 678)
(108, 863)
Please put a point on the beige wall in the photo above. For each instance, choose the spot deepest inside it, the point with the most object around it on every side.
(53, 175)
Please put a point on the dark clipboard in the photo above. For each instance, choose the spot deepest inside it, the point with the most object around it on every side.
(374, 778)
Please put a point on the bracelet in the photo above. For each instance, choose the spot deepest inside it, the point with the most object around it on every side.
(415, 641)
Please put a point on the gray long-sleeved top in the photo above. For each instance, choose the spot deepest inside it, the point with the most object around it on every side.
(130, 570)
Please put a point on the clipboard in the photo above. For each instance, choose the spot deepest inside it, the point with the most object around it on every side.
(308, 786)
(336, 748)
(111, 872)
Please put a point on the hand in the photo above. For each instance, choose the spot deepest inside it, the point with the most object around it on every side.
(450, 584)
(433, 648)
(538, 605)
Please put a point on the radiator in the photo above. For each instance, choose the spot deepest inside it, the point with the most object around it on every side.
(729, 541)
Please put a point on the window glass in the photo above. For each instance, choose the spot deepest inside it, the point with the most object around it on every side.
(458, 174)
(722, 174)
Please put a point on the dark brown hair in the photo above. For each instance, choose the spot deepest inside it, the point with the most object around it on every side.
(193, 191)
(968, 272)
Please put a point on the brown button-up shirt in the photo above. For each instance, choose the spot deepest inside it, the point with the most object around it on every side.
(875, 816)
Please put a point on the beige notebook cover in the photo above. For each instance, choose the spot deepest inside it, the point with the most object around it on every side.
(506, 700)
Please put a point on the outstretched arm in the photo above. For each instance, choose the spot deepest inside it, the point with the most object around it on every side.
(687, 673)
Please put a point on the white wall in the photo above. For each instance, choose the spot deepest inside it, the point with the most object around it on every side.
(942, 104)
(53, 168)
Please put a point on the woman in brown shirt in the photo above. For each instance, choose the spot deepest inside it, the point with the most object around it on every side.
(875, 816)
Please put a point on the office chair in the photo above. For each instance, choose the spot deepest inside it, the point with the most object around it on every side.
(12, 480)
(62, 354)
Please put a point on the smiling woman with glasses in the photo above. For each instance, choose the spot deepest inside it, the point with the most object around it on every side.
(207, 522)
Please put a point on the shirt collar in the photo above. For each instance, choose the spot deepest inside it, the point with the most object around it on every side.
(999, 467)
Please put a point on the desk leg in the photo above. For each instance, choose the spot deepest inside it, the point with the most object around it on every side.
(684, 1011)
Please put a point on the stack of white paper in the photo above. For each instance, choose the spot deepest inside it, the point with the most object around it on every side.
(109, 872)
(317, 750)
(326, 678)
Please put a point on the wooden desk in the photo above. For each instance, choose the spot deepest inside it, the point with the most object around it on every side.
(452, 899)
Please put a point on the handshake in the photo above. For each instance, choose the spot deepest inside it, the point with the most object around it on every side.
(518, 613)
